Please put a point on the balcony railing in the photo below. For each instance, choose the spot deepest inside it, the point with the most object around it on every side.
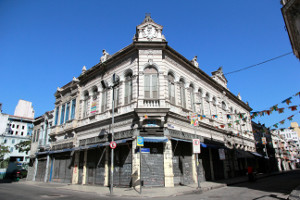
(151, 103)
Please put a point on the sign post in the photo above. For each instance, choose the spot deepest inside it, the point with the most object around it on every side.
(140, 143)
(196, 151)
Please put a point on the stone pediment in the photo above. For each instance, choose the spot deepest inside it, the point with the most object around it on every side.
(219, 77)
(148, 30)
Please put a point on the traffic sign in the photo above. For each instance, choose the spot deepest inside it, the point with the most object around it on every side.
(140, 141)
(196, 146)
(113, 144)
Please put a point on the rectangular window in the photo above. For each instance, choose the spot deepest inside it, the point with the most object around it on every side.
(37, 135)
(16, 132)
(85, 107)
(104, 101)
(56, 115)
(73, 108)
(17, 126)
(67, 111)
(151, 86)
(23, 127)
(22, 133)
(128, 91)
(116, 97)
(13, 126)
(62, 114)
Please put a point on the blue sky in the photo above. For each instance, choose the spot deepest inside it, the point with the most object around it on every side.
(44, 44)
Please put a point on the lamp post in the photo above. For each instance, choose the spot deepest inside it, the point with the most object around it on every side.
(115, 83)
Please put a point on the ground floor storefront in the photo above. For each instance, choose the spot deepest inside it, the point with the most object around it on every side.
(164, 160)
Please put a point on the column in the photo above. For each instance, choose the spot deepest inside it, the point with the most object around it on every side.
(84, 167)
(75, 168)
(35, 168)
(211, 165)
(168, 164)
(47, 169)
(135, 165)
(106, 167)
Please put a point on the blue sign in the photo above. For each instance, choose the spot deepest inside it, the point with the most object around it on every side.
(145, 150)
(140, 141)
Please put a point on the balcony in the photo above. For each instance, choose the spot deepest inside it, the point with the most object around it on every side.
(151, 103)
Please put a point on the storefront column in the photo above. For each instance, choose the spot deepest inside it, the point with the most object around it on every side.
(35, 168)
(211, 165)
(84, 173)
(106, 167)
(168, 164)
(47, 169)
(135, 165)
(75, 169)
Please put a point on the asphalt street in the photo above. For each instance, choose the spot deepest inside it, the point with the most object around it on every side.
(276, 187)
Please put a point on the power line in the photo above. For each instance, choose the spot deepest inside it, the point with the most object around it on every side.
(242, 69)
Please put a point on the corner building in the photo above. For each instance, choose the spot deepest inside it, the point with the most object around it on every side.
(157, 92)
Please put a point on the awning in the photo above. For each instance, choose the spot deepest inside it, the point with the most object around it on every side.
(243, 154)
(156, 139)
(82, 147)
(182, 140)
(256, 154)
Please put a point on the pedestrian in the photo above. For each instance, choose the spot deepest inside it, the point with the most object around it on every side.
(251, 177)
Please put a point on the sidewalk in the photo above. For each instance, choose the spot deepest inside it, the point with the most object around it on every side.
(131, 192)
(149, 191)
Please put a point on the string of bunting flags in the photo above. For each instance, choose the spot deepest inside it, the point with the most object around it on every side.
(194, 117)
(279, 110)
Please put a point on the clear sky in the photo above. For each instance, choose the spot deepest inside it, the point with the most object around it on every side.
(44, 44)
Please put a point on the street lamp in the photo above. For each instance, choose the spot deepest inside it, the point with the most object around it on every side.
(197, 161)
(105, 85)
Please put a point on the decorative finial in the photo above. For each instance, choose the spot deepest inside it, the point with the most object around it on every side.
(83, 70)
(104, 56)
(194, 62)
(75, 79)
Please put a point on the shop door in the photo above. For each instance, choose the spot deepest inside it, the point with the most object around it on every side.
(95, 166)
(41, 169)
(123, 165)
(182, 163)
(63, 168)
(152, 165)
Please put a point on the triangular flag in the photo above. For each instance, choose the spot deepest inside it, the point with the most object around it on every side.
(293, 108)
(280, 110)
(274, 107)
(146, 117)
(290, 117)
(287, 101)
(228, 117)
(222, 126)
(282, 122)
(229, 125)
(297, 94)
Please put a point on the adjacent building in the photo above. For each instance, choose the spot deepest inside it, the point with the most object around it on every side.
(147, 89)
(291, 15)
(40, 142)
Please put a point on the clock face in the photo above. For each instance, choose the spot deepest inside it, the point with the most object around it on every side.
(149, 32)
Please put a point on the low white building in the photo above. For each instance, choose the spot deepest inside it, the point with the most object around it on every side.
(15, 129)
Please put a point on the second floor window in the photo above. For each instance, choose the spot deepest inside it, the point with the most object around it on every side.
(151, 83)
(56, 115)
(85, 104)
(73, 108)
(62, 114)
(104, 101)
(67, 111)
(128, 89)
(191, 90)
(171, 86)
(182, 93)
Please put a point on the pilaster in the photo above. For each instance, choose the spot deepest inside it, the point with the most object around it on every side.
(75, 168)
(168, 165)
(84, 167)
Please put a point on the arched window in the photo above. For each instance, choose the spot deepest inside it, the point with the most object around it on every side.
(151, 83)
(224, 107)
(95, 93)
(85, 103)
(207, 97)
(171, 86)
(128, 88)
(214, 101)
(182, 93)
(192, 97)
(200, 94)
